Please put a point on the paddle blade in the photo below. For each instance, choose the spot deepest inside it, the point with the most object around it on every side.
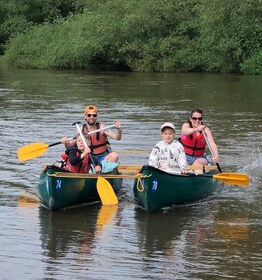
(106, 192)
(233, 178)
(31, 151)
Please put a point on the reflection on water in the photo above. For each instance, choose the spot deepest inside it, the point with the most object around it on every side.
(158, 238)
(215, 239)
(64, 231)
(194, 241)
(105, 216)
(236, 228)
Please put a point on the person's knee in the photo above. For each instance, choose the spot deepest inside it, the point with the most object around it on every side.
(113, 157)
(200, 161)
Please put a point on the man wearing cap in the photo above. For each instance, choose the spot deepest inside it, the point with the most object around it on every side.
(98, 142)
(168, 154)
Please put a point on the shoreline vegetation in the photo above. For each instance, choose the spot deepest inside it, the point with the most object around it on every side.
(129, 35)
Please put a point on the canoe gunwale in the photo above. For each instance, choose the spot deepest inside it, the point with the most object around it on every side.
(63, 173)
(207, 174)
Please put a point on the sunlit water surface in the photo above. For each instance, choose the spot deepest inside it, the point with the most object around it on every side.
(219, 238)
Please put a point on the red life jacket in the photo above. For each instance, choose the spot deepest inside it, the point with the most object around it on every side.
(82, 167)
(193, 145)
(98, 141)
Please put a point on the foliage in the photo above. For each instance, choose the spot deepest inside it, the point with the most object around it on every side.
(145, 35)
(253, 65)
(17, 15)
(231, 32)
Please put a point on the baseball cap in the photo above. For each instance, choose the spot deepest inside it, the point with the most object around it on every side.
(90, 108)
(167, 124)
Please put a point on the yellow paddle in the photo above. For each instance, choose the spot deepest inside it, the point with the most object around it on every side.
(230, 178)
(226, 177)
(35, 150)
(106, 192)
(104, 188)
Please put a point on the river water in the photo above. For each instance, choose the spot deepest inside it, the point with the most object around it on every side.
(219, 238)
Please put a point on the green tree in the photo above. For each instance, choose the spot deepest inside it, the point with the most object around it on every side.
(231, 32)
(16, 16)
(145, 35)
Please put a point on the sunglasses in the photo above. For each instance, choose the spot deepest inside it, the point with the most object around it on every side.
(195, 118)
(92, 115)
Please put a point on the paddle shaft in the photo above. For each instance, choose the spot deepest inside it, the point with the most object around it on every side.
(35, 150)
(211, 150)
(57, 143)
(104, 188)
(80, 132)
(90, 133)
(84, 141)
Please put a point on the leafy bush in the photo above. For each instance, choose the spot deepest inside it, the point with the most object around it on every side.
(146, 35)
(253, 65)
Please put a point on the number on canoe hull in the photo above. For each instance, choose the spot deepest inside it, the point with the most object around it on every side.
(154, 185)
(58, 185)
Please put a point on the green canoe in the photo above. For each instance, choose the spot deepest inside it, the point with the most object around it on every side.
(156, 189)
(59, 188)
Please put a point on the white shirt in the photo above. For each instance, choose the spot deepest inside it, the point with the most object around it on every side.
(168, 156)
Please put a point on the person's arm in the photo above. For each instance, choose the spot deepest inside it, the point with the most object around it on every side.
(153, 158)
(97, 164)
(68, 143)
(114, 135)
(187, 130)
(182, 162)
(73, 158)
(213, 145)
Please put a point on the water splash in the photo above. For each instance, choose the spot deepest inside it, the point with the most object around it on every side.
(254, 169)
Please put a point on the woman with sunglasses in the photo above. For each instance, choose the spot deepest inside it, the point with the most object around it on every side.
(194, 142)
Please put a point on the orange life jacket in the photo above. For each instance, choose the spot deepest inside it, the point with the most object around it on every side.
(82, 167)
(98, 141)
(194, 145)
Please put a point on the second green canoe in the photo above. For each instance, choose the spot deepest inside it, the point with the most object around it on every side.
(156, 189)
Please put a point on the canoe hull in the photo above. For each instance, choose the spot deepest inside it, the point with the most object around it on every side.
(160, 189)
(60, 191)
